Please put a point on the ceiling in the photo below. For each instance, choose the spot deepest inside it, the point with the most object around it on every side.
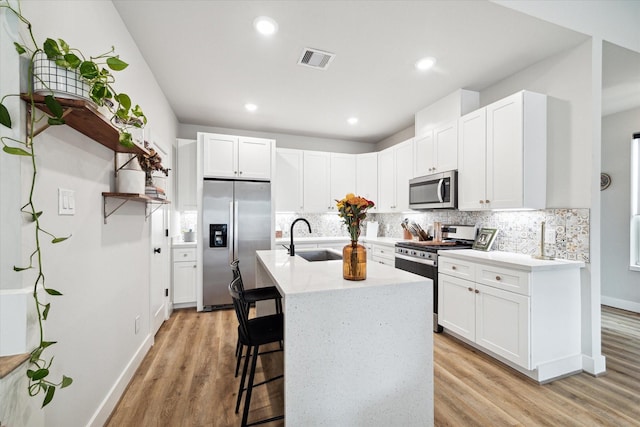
(210, 62)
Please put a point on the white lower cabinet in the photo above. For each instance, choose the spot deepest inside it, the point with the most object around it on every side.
(528, 319)
(184, 276)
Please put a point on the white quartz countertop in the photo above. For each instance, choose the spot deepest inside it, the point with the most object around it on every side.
(511, 260)
(295, 275)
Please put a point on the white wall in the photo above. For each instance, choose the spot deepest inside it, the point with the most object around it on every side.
(284, 140)
(103, 270)
(620, 286)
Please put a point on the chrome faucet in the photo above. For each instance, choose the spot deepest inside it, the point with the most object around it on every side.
(292, 249)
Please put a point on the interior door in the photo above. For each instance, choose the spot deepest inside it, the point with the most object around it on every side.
(159, 270)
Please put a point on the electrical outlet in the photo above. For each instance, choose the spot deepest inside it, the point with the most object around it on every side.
(137, 324)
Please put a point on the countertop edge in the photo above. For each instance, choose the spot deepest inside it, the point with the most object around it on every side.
(512, 260)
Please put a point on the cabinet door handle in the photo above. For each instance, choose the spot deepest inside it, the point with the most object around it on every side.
(157, 250)
(185, 255)
(477, 291)
(470, 289)
(498, 278)
(453, 267)
(482, 202)
(195, 266)
(240, 172)
(487, 201)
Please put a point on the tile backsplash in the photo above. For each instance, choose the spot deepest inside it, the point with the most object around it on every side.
(566, 236)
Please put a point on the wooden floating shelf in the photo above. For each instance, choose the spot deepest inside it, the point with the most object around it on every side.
(84, 117)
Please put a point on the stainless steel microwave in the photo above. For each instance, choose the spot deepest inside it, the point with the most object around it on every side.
(437, 191)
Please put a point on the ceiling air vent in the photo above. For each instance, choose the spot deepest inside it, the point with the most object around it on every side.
(315, 58)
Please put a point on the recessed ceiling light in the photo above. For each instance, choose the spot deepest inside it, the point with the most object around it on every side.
(352, 120)
(265, 25)
(250, 107)
(425, 63)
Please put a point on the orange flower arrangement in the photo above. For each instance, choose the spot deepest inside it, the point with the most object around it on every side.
(353, 210)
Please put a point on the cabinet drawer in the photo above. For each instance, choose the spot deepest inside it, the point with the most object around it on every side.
(384, 252)
(187, 254)
(503, 278)
(456, 268)
(384, 260)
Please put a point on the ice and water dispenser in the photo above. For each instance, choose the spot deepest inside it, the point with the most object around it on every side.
(218, 235)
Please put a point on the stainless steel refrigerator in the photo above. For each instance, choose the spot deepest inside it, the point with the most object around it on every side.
(237, 222)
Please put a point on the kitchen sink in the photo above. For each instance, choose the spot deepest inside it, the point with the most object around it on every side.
(319, 255)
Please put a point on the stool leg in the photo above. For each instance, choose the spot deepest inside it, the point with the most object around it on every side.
(239, 358)
(242, 378)
(247, 399)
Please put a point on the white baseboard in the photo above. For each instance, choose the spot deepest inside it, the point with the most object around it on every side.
(621, 303)
(103, 412)
(594, 365)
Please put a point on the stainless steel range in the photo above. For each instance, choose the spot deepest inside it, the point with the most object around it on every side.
(421, 257)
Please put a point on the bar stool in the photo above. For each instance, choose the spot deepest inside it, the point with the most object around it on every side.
(252, 296)
(253, 333)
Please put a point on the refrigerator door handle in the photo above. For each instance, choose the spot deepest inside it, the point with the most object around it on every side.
(232, 231)
(235, 229)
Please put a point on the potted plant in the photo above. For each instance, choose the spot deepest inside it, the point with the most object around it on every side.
(96, 74)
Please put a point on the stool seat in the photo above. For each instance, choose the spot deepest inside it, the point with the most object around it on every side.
(261, 294)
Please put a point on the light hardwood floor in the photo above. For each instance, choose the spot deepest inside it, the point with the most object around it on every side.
(187, 380)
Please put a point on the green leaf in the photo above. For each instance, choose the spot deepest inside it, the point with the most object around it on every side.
(51, 48)
(126, 139)
(66, 381)
(36, 215)
(99, 91)
(59, 239)
(124, 100)
(89, 70)
(40, 374)
(137, 111)
(116, 64)
(19, 48)
(54, 106)
(73, 61)
(46, 344)
(53, 292)
(15, 151)
(35, 355)
(60, 62)
(30, 373)
(49, 396)
(5, 117)
(45, 312)
(54, 121)
(21, 268)
(63, 45)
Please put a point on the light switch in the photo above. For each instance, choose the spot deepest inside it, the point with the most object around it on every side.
(66, 202)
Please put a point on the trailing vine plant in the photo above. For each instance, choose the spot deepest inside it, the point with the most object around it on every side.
(96, 72)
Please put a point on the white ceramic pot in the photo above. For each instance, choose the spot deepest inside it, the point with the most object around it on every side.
(130, 181)
(48, 78)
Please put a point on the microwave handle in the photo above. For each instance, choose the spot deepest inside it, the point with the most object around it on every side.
(440, 188)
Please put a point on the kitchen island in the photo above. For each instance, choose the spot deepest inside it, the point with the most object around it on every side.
(356, 353)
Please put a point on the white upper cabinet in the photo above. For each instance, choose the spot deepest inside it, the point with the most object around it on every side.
(289, 180)
(502, 154)
(228, 156)
(437, 150)
(186, 175)
(367, 177)
(316, 193)
(342, 177)
(395, 169)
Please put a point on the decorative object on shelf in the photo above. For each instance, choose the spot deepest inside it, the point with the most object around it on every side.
(50, 78)
(131, 181)
(605, 181)
(189, 236)
(484, 239)
(151, 162)
(353, 210)
(96, 73)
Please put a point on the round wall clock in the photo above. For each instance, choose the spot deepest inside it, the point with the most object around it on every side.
(605, 181)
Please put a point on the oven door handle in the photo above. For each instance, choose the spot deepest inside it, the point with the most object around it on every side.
(418, 260)
(440, 187)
